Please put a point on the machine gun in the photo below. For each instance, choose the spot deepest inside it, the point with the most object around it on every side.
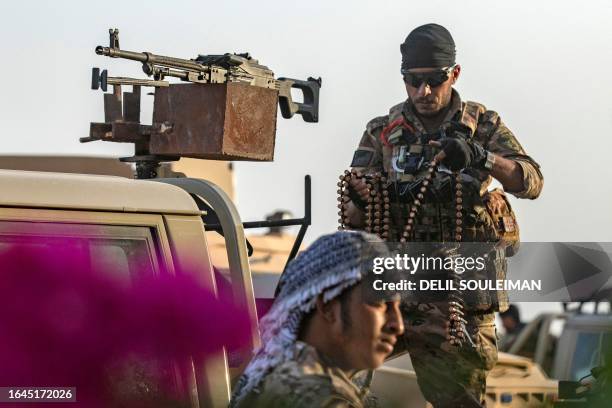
(226, 111)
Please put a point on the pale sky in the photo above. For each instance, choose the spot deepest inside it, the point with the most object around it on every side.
(544, 66)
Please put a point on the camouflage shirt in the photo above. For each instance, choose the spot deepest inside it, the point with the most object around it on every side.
(305, 381)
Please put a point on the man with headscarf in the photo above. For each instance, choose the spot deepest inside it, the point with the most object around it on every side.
(437, 156)
(325, 325)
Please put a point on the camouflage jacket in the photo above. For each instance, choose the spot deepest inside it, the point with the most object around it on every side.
(381, 145)
(306, 381)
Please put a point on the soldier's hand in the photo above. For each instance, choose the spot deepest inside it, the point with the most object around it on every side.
(458, 153)
(359, 189)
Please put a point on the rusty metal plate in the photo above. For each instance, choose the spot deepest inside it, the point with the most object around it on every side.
(122, 132)
(230, 121)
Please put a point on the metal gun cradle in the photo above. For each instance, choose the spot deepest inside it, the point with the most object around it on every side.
(227, 111)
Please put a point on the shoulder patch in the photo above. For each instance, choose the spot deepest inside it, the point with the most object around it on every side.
(362, 158)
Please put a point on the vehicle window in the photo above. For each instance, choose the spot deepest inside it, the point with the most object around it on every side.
(586, 356)
(124, 251)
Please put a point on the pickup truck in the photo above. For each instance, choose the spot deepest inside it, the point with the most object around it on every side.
(123, 221)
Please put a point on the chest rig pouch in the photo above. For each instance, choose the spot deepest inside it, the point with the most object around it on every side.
(409, 164)
(504, 220)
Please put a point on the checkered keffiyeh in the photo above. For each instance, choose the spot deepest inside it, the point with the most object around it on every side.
(330, 265)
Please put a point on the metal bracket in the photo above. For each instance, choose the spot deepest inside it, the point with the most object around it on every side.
(101, 80)
(303, 222)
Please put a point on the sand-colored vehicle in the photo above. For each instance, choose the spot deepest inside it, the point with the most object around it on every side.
(119, 222)
(513, 382)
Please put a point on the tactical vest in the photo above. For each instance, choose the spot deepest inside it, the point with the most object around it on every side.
(405, 158)
(405, 155)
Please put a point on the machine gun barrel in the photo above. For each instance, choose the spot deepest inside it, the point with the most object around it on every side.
(149, 58)
(215, 69)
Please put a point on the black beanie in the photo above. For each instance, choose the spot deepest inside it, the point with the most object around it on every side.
(429, 45)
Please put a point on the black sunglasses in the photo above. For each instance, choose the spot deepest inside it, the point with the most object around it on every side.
(433, 78)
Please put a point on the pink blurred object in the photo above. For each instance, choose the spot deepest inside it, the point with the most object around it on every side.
(63, 325)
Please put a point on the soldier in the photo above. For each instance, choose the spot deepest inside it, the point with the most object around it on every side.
(434, 156)
(511, 320)
(324, 326)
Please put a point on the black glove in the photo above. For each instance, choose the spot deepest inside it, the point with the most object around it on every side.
(461, 153)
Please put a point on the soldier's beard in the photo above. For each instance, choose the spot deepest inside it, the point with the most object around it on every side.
(431, 108)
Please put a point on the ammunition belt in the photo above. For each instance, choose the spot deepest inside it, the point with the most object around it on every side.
(377, 221)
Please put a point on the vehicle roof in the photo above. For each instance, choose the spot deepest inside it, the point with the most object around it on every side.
(513, 360)
(519, 373)
(32, 189)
